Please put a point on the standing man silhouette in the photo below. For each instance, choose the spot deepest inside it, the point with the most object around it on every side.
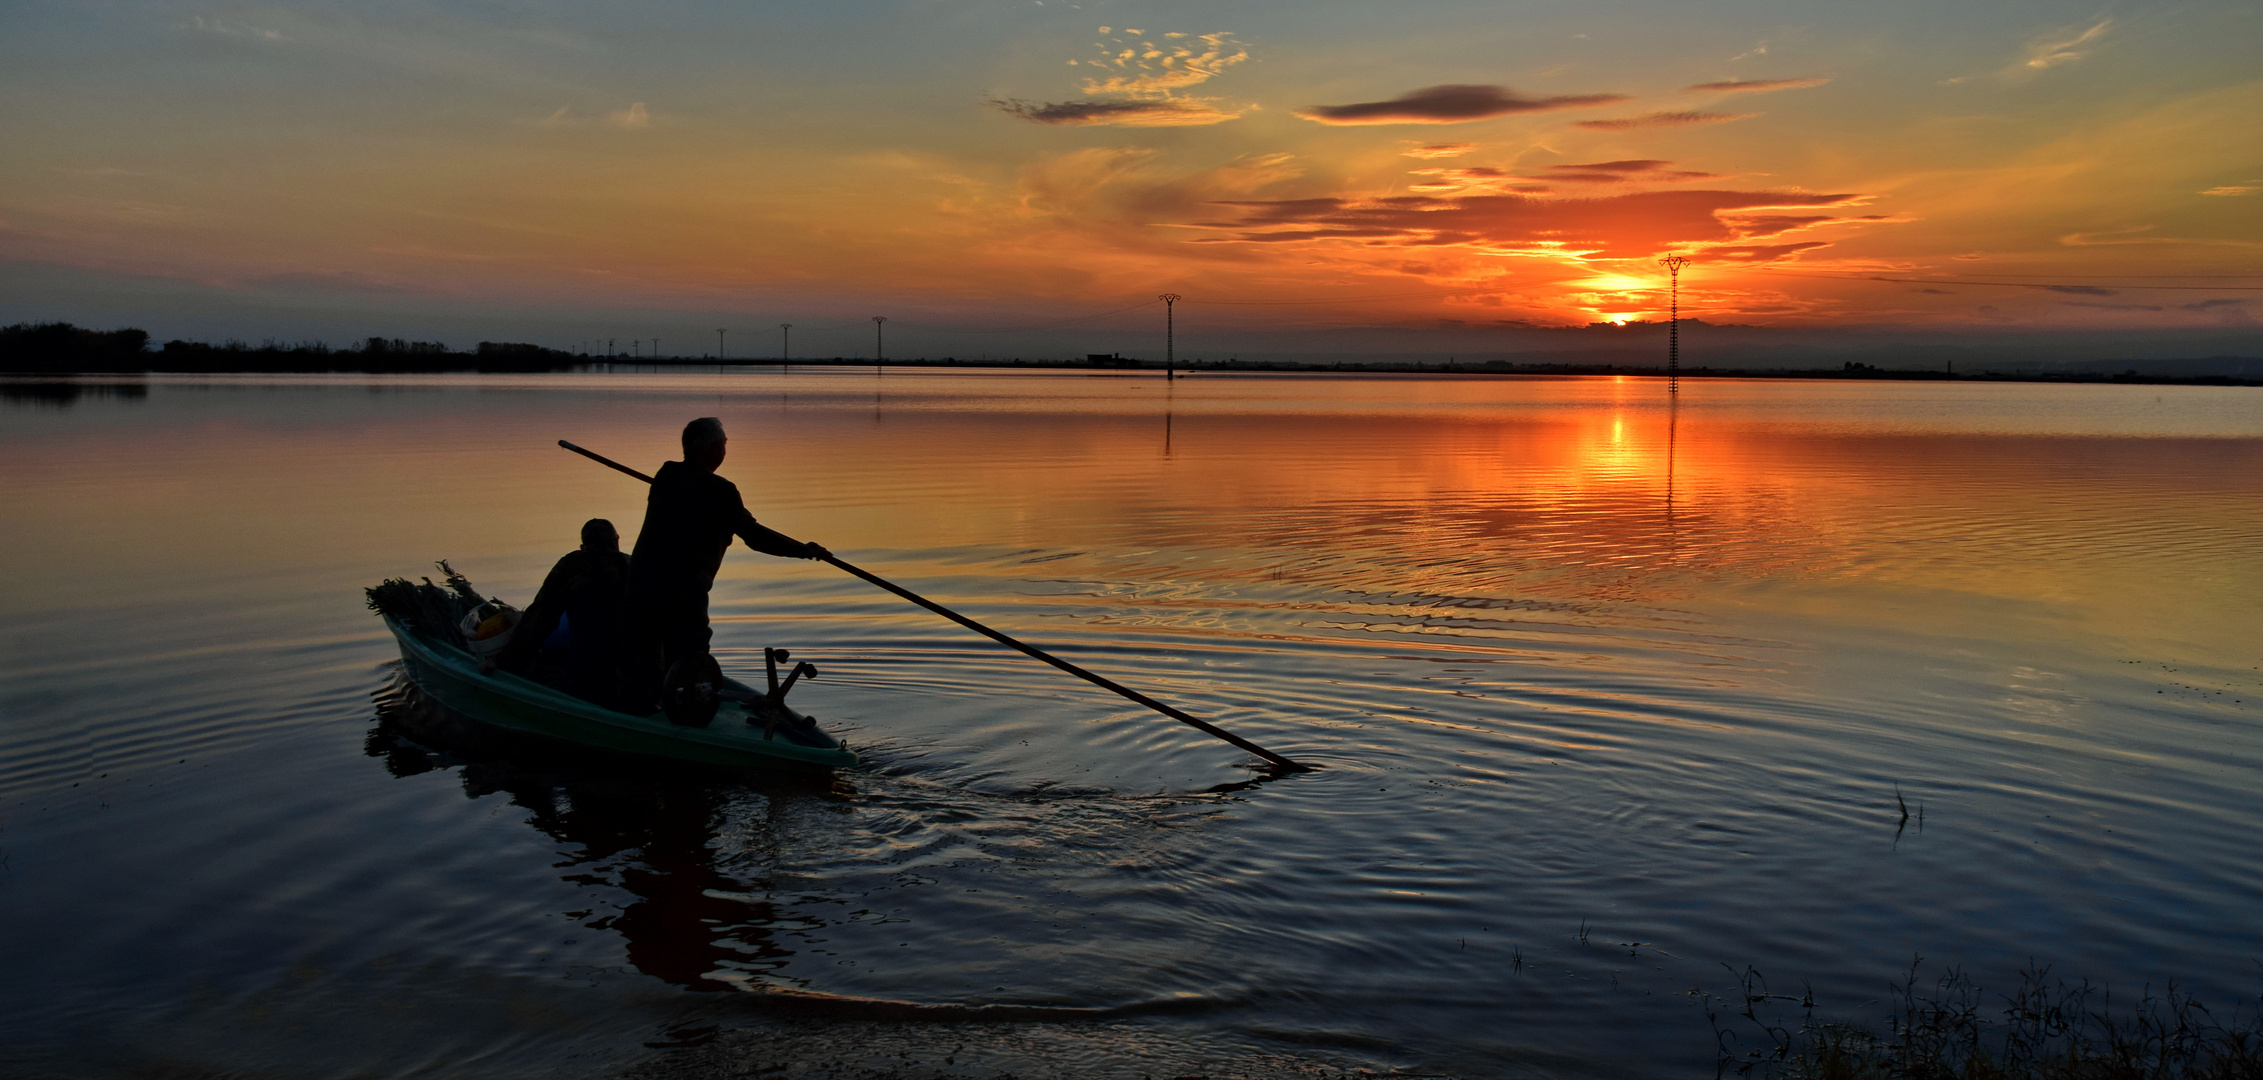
(689, 520)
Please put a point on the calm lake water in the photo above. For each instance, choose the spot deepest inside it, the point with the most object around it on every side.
(1609, 692)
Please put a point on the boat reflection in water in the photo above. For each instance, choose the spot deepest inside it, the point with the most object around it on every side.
(646, 827)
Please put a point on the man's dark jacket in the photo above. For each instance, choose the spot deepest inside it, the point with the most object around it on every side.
(590, 589)
(689, 520)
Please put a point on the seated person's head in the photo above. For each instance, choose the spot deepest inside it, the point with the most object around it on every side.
(703, 443)
(598, 535)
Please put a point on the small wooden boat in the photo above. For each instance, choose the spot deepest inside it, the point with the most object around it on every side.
(742, 735)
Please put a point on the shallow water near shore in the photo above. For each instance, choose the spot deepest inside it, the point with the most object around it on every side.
(1609, 689)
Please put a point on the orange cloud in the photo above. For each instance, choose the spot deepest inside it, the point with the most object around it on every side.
(1758, 226)
(1632, 169)
(1140, 84)
(1762, 252)
(1450, 104)
(1752, 86)
(1457, 149)
(1664, 119)
(1485, 178)
(1146, 71)
(1627, 226)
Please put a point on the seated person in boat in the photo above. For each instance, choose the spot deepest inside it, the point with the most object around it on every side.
(573, 635)
(689, 520)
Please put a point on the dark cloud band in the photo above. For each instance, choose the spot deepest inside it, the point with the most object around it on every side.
(1752, 86)
(1451, 104)
(1170, 112)
(1663, 119)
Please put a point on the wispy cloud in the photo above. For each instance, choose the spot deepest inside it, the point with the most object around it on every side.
(1663, 119)
(2230, 190)
(1617, 171)
(1753, 86)
(1143, 70)
(2235, 310)
(1141, 83)
(1473, 180)
(2052, 51)
(2141, 234)
(2080, 290)
(2219, 306)
(1456, 103)
(1761, 252)
(635, 117)
(1480, 179)
(335, 281)
(223, 28)
(1455, 149)
(2049, 51)
(1764, 226)
(1170, 112)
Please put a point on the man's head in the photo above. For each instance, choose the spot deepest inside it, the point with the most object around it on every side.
(703, 443)
(598, 534)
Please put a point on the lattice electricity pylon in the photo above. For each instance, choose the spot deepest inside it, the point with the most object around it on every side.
(1170, 366)
(1673, 265)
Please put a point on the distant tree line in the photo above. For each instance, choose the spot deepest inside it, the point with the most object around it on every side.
(61, 348)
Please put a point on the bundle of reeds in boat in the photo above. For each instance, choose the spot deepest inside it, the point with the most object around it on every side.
(435, 610)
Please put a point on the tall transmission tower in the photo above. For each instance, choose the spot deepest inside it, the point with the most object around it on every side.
(1673, 265)
(879, 348)
(718, 344)
(1170, 360)
(785, 343)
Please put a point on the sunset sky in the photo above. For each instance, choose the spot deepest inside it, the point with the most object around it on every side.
(553, 171)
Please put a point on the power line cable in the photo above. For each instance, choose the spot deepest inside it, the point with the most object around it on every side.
(1039, 326)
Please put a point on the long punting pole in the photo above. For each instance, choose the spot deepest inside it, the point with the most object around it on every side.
(1101, 681)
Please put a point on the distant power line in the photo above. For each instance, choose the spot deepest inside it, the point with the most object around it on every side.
(1039, 326)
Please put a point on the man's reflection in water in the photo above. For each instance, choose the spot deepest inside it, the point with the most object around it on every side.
(644, 827)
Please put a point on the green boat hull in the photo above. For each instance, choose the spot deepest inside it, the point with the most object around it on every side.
(452, 677)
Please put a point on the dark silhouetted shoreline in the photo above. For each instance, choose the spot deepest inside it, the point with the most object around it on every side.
(59, 349)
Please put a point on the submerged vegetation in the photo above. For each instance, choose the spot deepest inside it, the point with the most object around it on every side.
(2046, 1028)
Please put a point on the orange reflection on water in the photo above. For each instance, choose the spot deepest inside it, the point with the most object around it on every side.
(1574, 488)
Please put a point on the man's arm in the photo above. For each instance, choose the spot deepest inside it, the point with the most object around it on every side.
(770, 541)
